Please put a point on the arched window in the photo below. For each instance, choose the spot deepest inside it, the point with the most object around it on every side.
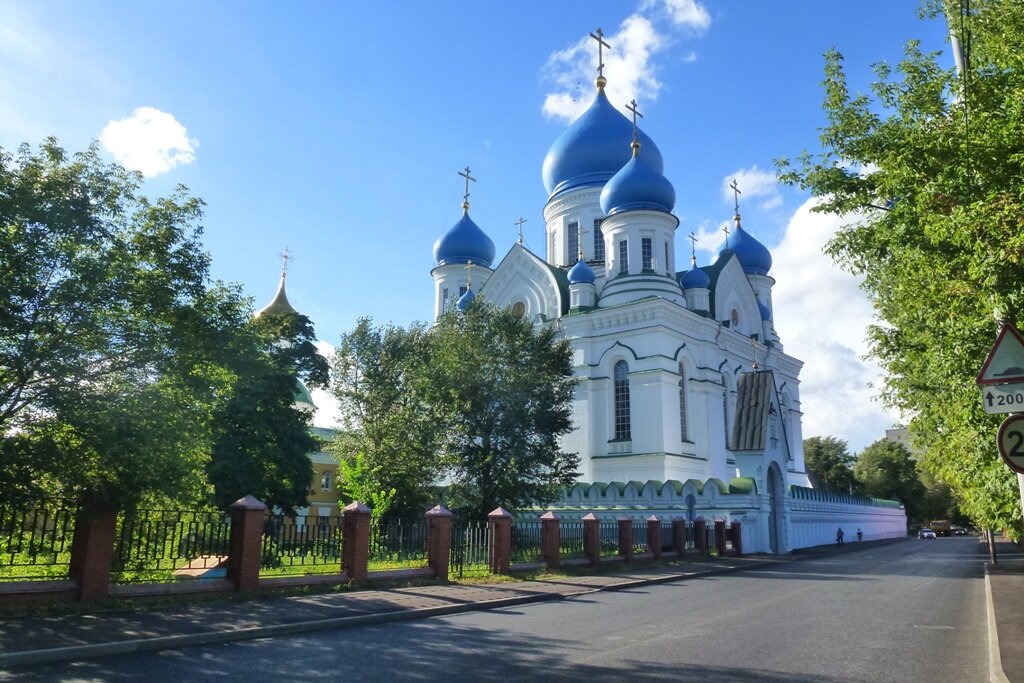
(622, 400)
(682, 403)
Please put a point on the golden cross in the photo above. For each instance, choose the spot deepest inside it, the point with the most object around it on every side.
(693, 245)
(725, 229)
(736, 197)
(520, 224)
(599, 37)
(579, 239)
(285, 258)
(465, 197)
(632, 107)
(469, 275)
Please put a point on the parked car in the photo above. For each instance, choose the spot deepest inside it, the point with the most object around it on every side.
(959, 531)
(926, 533)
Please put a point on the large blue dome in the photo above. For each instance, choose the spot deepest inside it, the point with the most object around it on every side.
(593, 148)
(637, 186)
(754, 256)
(464, 242)
(581, 273)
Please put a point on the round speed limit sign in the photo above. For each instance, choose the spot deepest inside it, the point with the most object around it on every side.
(1011, 442)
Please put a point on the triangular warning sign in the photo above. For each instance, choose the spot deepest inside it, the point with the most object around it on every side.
(1005, 362)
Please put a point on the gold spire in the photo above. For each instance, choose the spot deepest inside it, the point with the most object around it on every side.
(599, 37)
(465, 197)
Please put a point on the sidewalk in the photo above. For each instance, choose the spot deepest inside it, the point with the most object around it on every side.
(1004, 584)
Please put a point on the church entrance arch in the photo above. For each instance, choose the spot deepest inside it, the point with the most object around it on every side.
(775, 503)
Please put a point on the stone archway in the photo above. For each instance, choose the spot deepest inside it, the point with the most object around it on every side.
(776, 496)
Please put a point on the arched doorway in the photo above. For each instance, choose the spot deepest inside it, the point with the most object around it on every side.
(775, 503)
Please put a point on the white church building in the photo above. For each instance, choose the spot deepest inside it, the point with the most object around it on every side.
(687, 403)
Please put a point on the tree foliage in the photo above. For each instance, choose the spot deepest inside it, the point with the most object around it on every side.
(111, 336)
(884, 469)
(829, 463)
(929, 171)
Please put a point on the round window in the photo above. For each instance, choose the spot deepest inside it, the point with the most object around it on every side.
(519, 309)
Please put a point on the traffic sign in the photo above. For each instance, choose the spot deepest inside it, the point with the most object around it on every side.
(1003, 398)
(1011, 442)
(1005, 362)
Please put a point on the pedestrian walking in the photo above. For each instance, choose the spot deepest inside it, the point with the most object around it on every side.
(839, 536)
(860, 535)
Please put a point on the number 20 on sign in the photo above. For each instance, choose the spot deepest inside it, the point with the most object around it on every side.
(1011, 442)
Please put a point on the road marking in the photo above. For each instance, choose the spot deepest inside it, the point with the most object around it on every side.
(933, 628)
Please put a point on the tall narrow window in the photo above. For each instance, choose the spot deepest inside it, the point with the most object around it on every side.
(325, 481)
(551, 248)
(444, 299)
(574, 243)
(598, 241)
(622, 430)
(668, 269)
(623, 257)
(646, 253)
(725, 416)
(682, 403)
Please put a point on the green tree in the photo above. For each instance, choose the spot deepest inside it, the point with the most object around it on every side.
(262, 440)
(111, 336)
(505, 391)
(928, 170)
(829, 464)
(885, 470)
(385, 418)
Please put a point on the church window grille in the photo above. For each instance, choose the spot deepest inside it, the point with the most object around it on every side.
(444, 299)
(462, 290)
(622, 431)
(646, 253)
(682, 404)
(598, 241)
(325, 481)
(574, 243)
(623, 257)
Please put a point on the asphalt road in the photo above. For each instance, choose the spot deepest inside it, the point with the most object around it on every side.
(907, 612)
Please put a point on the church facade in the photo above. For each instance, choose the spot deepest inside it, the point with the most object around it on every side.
(686, 401)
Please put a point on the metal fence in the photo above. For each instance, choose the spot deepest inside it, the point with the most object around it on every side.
(35, 544)
(526, 541)
(609, 537)
(469, 549)
(398, 543)
(312, 546)
(572, 540)
(162, 545)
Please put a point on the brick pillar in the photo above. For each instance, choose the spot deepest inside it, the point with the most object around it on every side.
(654, 536)
(499, 549)
(355, 541)
(720, 537)
(92, 553)
(551, 539)
(592, 538)
(737, 537)
(700, 535)
(679, 535)
(247, 516)
(439, 541)
(626, 538)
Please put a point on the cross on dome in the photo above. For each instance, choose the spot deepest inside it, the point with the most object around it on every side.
(465, 197)
(520, 224)
(599, 37)
(286, 256)
(736, 200)
(579, 239)
(693, 246)
(469, 275)
(725, 229)
(636, 112)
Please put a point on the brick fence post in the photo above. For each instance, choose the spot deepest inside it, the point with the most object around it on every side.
(92, 552)
(737, 537)
(720, 537)
(355, 541)
(700, 535)
(551, 539)
(679, 535)
(654, 536)
(499, 547)
(439, 544)
(592, 538)
(247, 516)
(626, 538)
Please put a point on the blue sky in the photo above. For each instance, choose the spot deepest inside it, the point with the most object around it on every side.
(337, 129)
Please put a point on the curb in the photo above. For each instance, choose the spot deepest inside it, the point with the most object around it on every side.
(995, 664)
(136, 645)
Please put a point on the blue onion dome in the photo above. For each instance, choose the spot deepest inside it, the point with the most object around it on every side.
(754, 256)
(593, 148)
(765, 313)
(581, 274)
(463, 242)
(465, 300)
(694, 278)
(637, 185)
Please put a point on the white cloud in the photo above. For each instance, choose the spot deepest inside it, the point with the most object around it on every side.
(753, 183)
(150, 141)
(821, 315)
(627, 66)
(326, 405)
(688, 13)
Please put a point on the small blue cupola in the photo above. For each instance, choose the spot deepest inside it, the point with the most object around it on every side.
(581, 273)
(694, 278)
(465, 300)
(464, 242)
(636, 186)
